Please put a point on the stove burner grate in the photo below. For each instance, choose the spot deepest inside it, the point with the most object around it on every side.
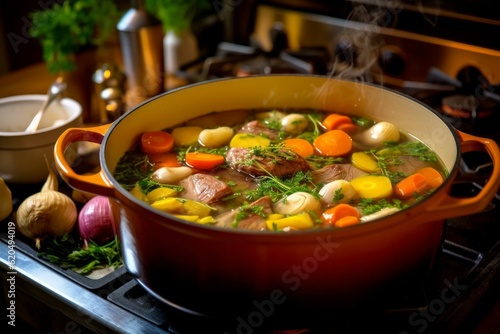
(242, 60)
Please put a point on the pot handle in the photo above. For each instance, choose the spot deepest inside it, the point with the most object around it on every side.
(94, 183)
(451, 207)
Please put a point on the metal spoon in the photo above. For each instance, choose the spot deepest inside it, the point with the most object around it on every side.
(57, 87)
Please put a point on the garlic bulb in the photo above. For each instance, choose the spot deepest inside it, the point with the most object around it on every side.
(171, 175)
(338, 191)
(48, 213)
(44, 214)
(296, 203)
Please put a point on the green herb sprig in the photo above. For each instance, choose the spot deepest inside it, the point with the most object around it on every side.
(68, 253)
(277, 188)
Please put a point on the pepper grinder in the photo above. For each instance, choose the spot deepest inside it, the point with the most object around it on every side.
(141, 37)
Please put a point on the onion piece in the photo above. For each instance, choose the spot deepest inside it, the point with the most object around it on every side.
(337, 191)
(297, 203)
(377, 135)
(98, 220)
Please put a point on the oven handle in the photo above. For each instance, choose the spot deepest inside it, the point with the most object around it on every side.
(96, 183)
(448, 206)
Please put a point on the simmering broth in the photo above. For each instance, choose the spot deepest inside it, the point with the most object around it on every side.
(280, 170)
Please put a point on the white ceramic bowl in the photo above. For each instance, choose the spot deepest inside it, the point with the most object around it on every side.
(21, 154)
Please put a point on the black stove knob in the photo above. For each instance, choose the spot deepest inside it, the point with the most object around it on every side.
(279, 39)
(392, 60)
(472, 79)
(345, 51)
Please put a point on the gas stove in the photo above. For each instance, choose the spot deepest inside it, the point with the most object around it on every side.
(454, 73)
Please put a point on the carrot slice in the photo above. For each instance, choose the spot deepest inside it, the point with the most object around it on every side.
(204, 160)
(300, 146)
(333, 121)
(341, 215)
(347, 221)
(434, 178)
(155, 142)
(164, 160)
(333, 143)
(348, 127)
(411, 185)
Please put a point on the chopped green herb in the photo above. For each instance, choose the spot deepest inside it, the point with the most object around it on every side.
(318, 161)
(246, 210)
(338, 196)
(278, 188)
(369, 205)
(147, 185)
(68, 253)
(132, 167)
(362, 121)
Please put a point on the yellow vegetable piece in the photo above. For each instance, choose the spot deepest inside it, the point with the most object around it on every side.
(186, 135)
(388, 151)
(246, 140)
(139, 194)
(275, 216)
(364, 161)
(194, 208)
(160, 193)
(207, 220)
(188, 218)
(170, 204)
(372, 186)
(301, 222)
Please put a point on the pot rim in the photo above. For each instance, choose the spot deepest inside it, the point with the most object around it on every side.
(382, 222)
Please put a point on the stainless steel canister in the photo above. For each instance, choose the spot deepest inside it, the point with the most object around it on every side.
(141, 37)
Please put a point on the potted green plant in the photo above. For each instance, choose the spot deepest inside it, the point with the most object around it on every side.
(70, 33)
(179, 44)
(71, 27)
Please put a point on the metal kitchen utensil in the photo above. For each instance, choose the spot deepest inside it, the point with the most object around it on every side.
(57, 87)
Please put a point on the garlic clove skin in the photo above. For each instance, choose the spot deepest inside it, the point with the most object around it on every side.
(171, 175)
(46, 214)
(296, 203)
(215, 137)
(378, 134)
(294, 123)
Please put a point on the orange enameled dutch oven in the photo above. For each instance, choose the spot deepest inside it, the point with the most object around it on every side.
(220, 271)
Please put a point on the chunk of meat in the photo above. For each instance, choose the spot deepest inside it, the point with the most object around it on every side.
(328, 174)
(252, 221)
(204, 188)
(281, 164)
(335, 172)
(258, 128)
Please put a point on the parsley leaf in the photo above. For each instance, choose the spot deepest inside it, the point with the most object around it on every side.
(68, 254)
(369, 205)
(278, 188)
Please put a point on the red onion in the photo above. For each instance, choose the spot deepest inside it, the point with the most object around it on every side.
(98, 219)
